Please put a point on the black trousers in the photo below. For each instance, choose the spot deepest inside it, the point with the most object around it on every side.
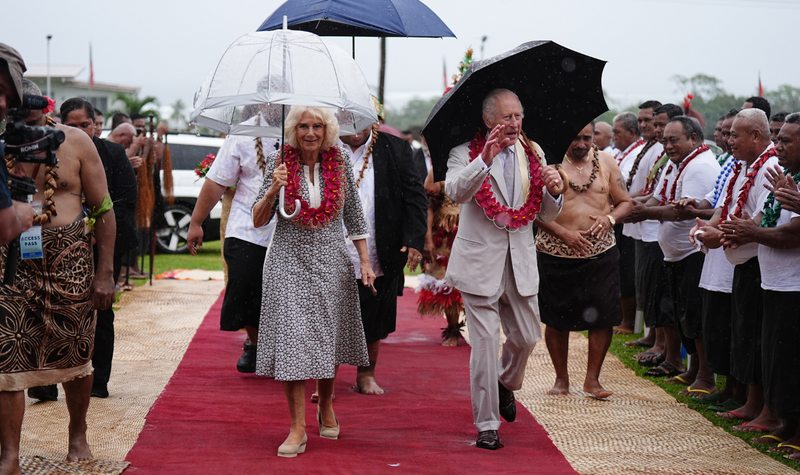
(104, 337)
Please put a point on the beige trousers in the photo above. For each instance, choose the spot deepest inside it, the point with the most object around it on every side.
(519, 317)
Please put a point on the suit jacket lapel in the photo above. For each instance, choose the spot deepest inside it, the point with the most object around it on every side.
(499, 182)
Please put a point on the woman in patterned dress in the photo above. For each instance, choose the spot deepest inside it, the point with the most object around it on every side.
(310, 313)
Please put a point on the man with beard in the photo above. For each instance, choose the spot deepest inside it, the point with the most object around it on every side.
(395, 209)
(744, 196)
(577, 251)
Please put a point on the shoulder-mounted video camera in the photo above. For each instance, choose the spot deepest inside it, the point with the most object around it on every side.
(26, 142)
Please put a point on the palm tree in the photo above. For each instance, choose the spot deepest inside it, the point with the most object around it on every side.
(133, 105)
(177, 113)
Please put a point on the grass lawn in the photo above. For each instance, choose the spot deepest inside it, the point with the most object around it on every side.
(625, 353)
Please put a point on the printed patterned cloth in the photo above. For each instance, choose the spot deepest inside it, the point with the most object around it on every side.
(47, 321)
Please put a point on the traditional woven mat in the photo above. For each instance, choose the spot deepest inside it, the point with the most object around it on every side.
(639, 430)
(192, 274)
(153, 329)
(42, 466)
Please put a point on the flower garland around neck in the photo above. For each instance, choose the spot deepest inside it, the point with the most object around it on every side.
(638, 160)
(681, 167)
(595, 170)
(722, 178)
(333, 170)
(651, 177)
(509, 218)
(772, 207)
(744, 193)
(630, 149)
(50, 177)
(368, 154)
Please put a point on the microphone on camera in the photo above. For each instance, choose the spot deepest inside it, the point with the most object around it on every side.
(32, 102)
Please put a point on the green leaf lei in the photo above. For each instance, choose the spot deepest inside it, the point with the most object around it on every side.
(772, 208)
(104, 207)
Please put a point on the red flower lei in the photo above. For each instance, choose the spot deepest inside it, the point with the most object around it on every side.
(509, 217)
(651, 177)
(683, 165)
(333, 195)
(631, 148)
(744, 193)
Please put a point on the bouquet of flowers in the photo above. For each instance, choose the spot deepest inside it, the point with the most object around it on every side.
(201, 170)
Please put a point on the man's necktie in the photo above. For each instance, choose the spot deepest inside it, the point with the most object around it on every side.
(508, 174)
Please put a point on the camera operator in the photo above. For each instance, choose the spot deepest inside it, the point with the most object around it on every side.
(55, 294)
(15, 217)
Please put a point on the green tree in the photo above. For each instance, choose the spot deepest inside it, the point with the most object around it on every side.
(177, 116)
(710, 98)
(415, 113)
(785, 97)
(133, 105)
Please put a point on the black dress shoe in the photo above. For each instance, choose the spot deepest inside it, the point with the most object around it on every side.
(99, 391)
(508, 405)
(44, 393)
(247, 363)
(489, 440)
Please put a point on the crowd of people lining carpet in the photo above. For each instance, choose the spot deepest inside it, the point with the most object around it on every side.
(641, 214)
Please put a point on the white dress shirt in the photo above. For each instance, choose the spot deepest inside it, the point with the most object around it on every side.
(646, 231)
(236, 164)
(780, 268)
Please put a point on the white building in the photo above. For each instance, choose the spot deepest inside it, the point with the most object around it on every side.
(63, 86)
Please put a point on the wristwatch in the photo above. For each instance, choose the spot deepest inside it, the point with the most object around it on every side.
(611, 218)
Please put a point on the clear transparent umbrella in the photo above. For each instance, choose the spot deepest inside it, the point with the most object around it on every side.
(267, 68)
(284, 67)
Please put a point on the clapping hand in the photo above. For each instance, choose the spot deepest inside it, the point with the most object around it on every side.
(737, 232)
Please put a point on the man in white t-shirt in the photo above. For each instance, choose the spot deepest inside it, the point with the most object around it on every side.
(240, 162)
(691, 173)
(656, 304)
(716, 282)
(637, 179)
(629, 143)
(744, 196)
(777, 231)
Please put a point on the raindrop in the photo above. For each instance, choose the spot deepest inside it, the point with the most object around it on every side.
(568, 64)
(590, 315)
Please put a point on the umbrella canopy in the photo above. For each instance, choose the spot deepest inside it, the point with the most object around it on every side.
(560, 91)
(286, 68)
(409, 18)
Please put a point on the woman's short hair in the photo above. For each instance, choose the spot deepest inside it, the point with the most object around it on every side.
(322, 114)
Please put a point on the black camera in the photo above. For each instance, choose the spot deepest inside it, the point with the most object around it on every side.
(25, 142)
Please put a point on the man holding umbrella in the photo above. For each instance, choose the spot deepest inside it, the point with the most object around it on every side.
(500, 180)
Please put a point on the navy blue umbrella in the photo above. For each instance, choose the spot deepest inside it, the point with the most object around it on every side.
(381, 18)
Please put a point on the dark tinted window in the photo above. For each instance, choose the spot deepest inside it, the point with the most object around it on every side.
(186, 157)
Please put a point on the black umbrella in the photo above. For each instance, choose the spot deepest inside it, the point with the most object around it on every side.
(560, 91)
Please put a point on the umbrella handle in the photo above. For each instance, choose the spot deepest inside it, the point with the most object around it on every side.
(565, 180)
(282, 204)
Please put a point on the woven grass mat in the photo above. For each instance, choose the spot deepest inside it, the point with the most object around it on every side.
(640, 430)
(42, 466)
(153, 327)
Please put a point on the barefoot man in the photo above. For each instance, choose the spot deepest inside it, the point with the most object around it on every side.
(579, 261)
(47, 319)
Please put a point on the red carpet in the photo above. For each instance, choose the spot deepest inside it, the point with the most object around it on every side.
(212, 420)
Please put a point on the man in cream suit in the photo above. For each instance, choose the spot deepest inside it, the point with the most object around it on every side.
(493, 260)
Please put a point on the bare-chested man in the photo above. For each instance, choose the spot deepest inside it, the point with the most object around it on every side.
(579, 285)
(57, 305)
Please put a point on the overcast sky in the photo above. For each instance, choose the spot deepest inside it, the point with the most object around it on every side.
(167, 47)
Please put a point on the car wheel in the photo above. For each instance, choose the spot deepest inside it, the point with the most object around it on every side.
(171, 236)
